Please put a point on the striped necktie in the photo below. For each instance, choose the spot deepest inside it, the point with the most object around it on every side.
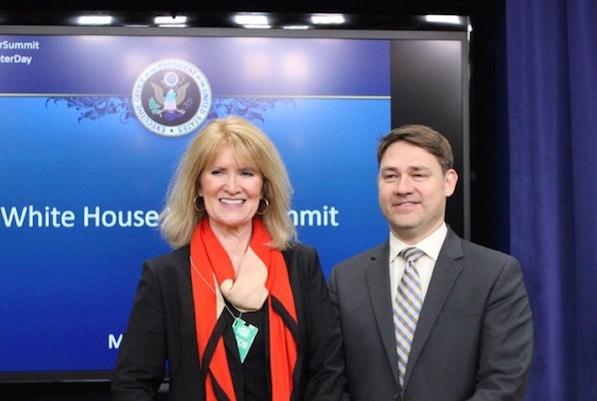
(407, 306)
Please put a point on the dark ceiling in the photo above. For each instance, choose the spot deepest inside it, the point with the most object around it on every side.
(378, 13)
(345, 6)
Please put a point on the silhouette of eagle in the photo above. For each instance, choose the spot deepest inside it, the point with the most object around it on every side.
(171, 99)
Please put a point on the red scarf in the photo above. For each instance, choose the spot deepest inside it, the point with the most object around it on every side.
(265, 276)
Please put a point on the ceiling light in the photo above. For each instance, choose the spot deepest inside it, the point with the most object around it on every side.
(444, 19)
(296, 27)
(170, 20)
(94, 20)
(257, 26)
(328, 19)
(251, 20)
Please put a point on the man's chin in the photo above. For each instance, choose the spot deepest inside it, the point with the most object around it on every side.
(404, 229)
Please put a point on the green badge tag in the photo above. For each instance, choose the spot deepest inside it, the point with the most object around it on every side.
(245, 335)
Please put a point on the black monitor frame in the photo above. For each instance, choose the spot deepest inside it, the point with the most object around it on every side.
(452, 118)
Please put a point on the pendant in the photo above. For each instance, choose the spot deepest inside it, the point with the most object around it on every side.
(245, 335)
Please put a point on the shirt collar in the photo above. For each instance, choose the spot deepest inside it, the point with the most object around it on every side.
(431, 244)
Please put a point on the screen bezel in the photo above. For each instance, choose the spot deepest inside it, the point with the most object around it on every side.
(206, 25)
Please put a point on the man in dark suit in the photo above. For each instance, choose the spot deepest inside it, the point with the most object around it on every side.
(465, 332)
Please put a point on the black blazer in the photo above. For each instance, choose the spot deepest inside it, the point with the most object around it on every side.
(474, 337)
(162, 328)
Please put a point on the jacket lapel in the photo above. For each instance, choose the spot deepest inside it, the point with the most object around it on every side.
(378, 283)
(445, 273)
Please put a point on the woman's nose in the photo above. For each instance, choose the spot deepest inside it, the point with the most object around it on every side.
(231, 183)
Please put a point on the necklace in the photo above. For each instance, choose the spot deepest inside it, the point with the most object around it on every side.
(214, 291)
(244, 334)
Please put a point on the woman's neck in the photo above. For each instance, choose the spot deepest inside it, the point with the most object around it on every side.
(234, 240)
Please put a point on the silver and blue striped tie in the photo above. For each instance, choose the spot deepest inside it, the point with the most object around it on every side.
(407, 306)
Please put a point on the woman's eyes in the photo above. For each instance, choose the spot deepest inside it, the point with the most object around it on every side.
(244, 172)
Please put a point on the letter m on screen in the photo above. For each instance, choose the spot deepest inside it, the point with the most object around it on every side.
(114, 342)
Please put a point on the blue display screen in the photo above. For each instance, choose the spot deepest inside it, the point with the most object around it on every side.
(92, 129)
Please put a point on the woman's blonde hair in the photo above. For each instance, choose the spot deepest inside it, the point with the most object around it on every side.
(179, 217)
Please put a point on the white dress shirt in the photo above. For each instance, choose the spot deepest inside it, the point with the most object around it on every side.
(425, 265)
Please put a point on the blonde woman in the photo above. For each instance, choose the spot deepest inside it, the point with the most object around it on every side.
(239, 310)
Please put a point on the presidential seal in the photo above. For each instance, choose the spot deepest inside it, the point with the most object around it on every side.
(171, 97)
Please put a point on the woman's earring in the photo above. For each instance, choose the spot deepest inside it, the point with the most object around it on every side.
(263, 207)
(198, 204)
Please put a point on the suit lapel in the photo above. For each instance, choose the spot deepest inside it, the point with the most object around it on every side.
(445, 273)
(378, 284)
